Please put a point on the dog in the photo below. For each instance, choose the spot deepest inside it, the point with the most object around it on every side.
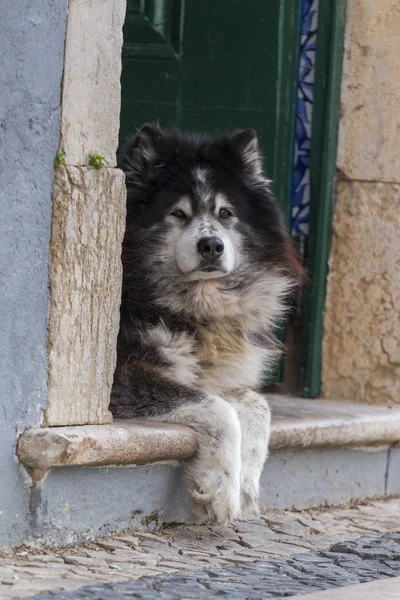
(208, 272)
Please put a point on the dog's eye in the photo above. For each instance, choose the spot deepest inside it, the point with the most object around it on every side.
(224, 213)
(179, 214)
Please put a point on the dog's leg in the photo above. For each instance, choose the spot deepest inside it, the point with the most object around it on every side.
(214, 472)
(255, 419)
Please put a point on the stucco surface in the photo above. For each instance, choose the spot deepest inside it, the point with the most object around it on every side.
(31, 62)
(361, 348)
(76, 504)
(85, 293)
(370, 94)
(91, 86)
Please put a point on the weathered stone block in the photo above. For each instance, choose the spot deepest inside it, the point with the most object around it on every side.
(370, 94)
(91, 83)
(85, 281)
(361, 349)
(120, 443)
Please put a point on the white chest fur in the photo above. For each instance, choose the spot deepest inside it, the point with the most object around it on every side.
(229, 360)
(219, 358)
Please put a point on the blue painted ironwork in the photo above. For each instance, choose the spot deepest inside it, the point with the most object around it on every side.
(300, 210)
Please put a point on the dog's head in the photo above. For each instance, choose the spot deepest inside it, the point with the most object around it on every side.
(200, 209)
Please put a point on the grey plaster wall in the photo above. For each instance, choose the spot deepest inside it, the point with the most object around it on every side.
(74, 505)
(393, 473)
(31, 61)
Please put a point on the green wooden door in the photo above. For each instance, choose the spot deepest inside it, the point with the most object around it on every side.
(209, 65)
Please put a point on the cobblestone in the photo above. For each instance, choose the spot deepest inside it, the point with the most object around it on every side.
(276, 578)
(280, 554)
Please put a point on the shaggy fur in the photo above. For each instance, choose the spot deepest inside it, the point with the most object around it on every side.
(208, 270)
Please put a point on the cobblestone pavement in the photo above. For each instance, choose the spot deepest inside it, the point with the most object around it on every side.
(347, 563)
(280, 554)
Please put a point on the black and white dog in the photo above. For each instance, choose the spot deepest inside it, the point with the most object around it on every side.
(208, 270)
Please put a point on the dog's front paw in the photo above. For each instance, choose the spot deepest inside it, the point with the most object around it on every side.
(218, 498)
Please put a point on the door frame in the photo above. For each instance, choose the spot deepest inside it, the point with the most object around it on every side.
(324, 140)
(289, 20)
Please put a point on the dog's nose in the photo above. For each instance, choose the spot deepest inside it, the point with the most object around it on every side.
(210, 248)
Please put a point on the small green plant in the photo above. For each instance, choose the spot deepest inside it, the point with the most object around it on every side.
(59, 159)
(97, 161)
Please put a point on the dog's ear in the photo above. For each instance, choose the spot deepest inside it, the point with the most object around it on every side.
(246, 143)
(148, 140)
(142, 150)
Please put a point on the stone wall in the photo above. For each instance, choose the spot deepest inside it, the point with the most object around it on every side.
(32, 38)
(361, 350)
(60, 267)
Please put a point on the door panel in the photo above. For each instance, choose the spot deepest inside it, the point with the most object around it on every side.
(208, 66)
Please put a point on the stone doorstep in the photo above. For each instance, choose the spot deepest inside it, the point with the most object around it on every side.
(297, 423)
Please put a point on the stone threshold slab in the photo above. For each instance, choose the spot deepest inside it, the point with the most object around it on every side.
(297, 423)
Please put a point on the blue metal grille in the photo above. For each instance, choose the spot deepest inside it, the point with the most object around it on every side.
(300, 217)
